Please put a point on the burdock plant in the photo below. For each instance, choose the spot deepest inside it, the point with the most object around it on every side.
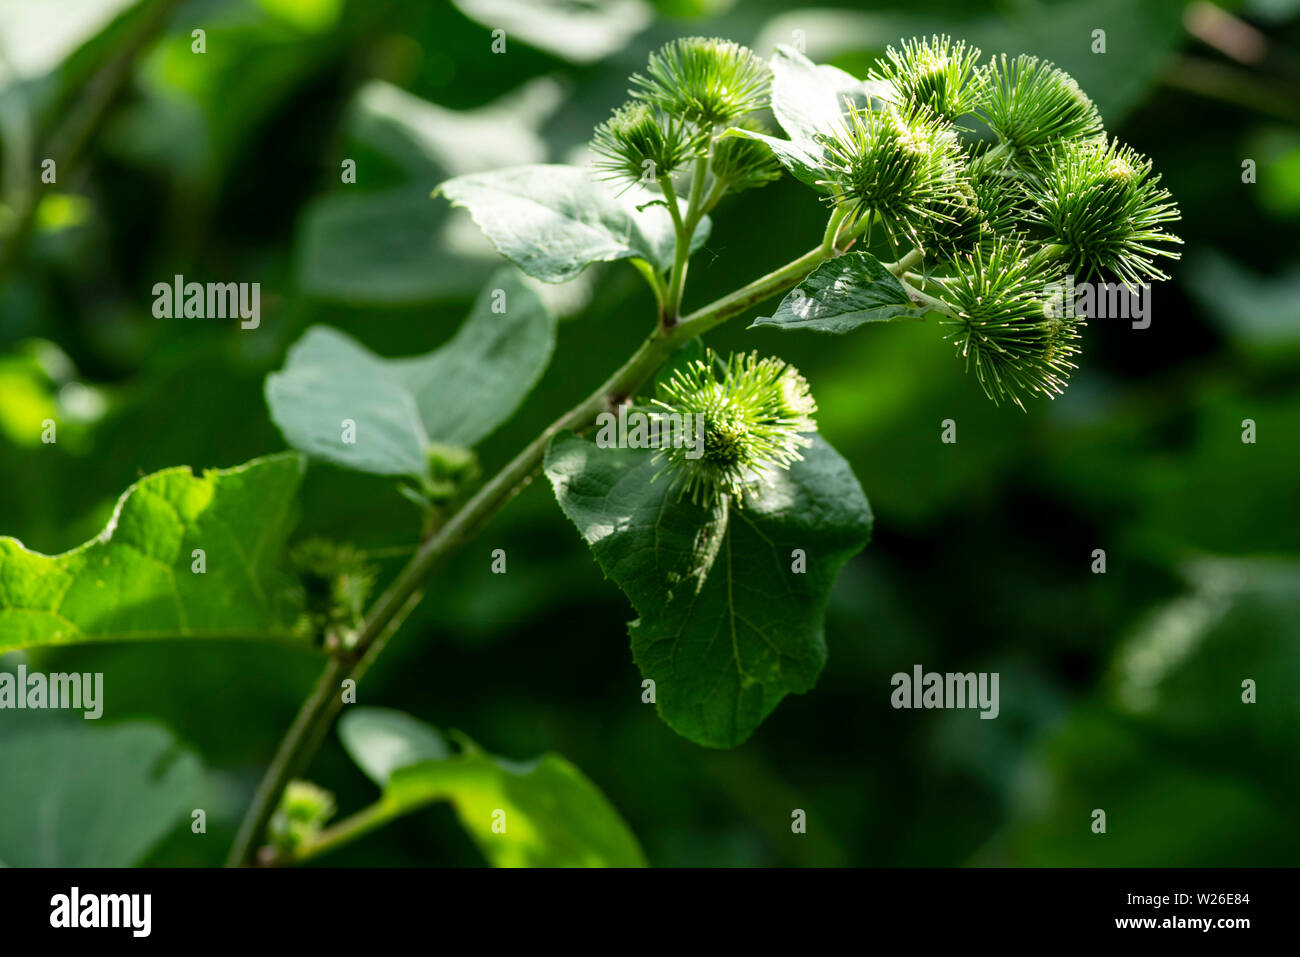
(982, 182)
(728, 551)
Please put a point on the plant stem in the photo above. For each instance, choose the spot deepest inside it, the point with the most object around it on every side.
(906, 263)
(284, 766)
(694, 209)
(715, 196)
(832, 230)
(352, 827)
(671, 303)
(401, 596)
(922, 299)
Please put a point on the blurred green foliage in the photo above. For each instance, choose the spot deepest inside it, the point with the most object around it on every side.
(1120, 691)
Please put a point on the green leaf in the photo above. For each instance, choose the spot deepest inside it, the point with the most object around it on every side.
(136, 579)
(81, 796)
(727, 628)
(387, 247)
(802, 158)
(841, 294)
(552, 815)
(808, 99)
(403, 408)
(553, 221)
(382, 740)
(380, 241)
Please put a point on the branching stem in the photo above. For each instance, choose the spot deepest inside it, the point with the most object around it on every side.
(404, 593)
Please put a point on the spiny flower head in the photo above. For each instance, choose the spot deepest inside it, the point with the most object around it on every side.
(981, 209)
(1030, 105)
(935, 74)
(900, 165)
(1102, 204)
(303, 811)
(755, 418)
(640, 143)
(1005, 326)
(744, 163)
(706, 81)
(333, 583)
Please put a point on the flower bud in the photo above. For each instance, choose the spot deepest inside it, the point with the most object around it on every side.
(1102, 204)
(1004, 324)
(639, 144)
(753, 420)
(708, 82)
(1031, 105)
(937, 75)
(898, 165)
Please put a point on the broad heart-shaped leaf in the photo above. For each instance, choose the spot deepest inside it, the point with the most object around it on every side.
(808, 99)
(841, 294)
(552, 815)
(553, 221)
(139, 578)
(77, 795)
(401, 408)
(727, 626)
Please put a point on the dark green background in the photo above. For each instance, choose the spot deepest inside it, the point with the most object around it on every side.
(1118, 691)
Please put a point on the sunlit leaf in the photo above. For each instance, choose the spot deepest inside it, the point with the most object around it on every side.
(140, 578)
(539, 813)
(400, 409)
(553, 221)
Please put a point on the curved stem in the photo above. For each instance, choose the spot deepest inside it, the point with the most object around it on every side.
(388, 612)
(715, 196)
(285, 764)
(349, 829)
(833, 229)
(672, 300)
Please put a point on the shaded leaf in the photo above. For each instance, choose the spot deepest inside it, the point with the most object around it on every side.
(136, 579)
(82, 796)
(727, 628)
(402, 408)
(579, 32)
(802, 158)
(382, 740)
(553, 221)
(380, 241)
(808, 98)
(841, 294)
